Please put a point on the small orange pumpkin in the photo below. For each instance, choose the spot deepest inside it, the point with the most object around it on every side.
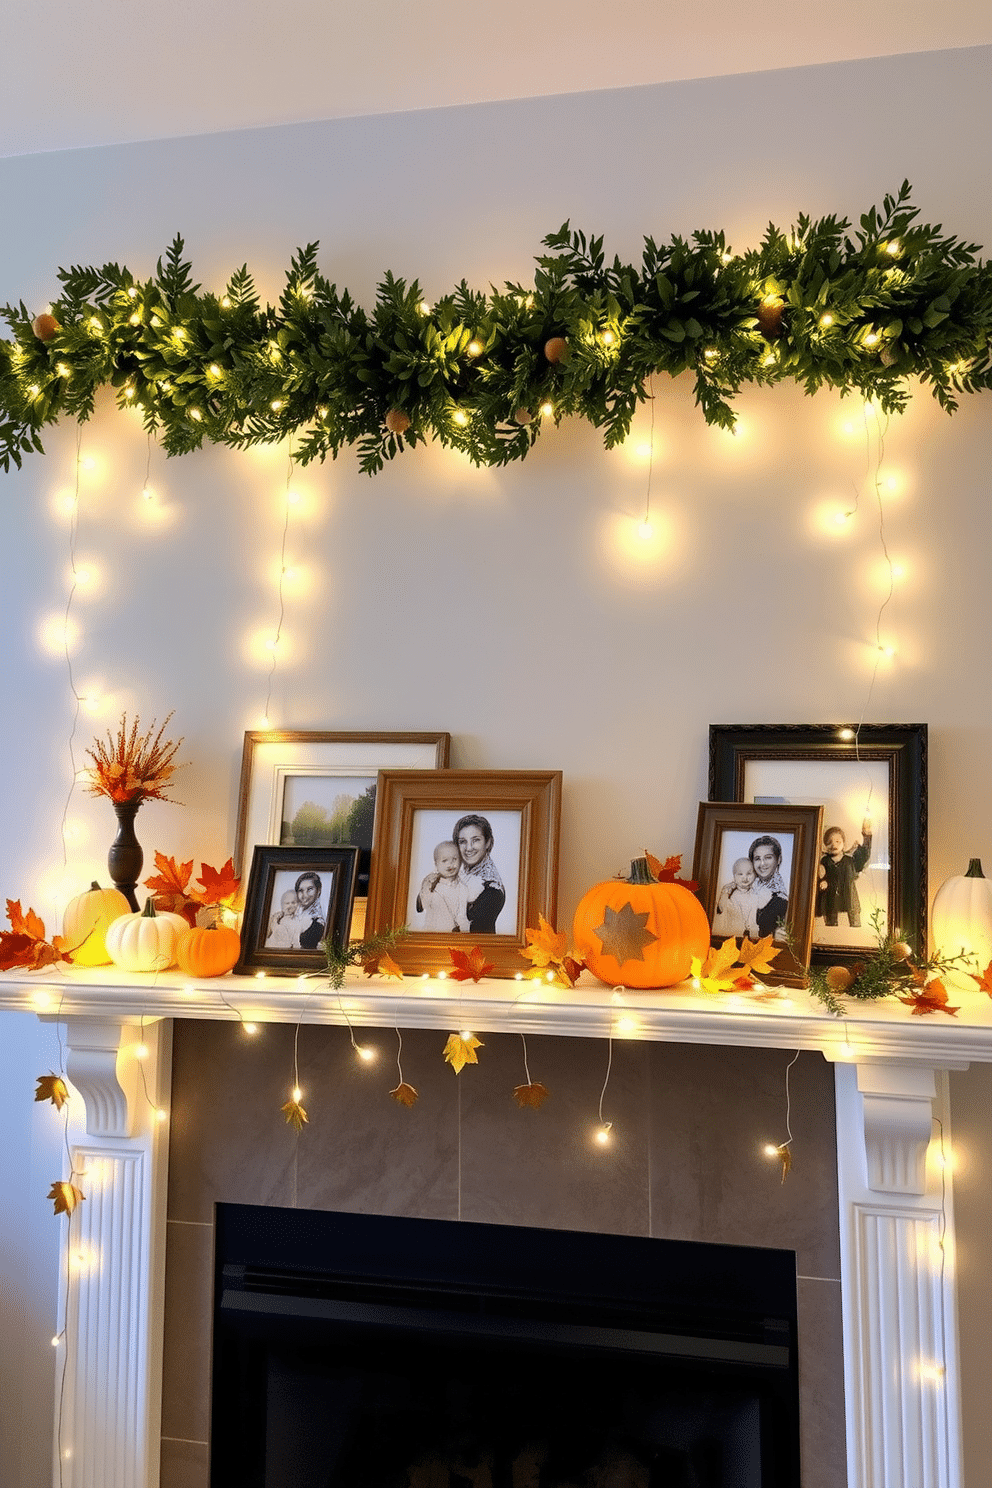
(208, 950)
(640, 932)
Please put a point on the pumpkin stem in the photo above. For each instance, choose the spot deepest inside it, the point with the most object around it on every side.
(975, 868)
(148, 913)
(94, 885)
(640, 873)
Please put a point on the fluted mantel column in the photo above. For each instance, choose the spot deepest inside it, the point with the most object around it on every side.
(113, 1255)
(897, 1232)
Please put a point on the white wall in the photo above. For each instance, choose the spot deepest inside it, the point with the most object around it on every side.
(514, 608)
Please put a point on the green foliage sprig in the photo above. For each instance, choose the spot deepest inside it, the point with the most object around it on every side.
(888, 970)
(818, 305)
(338, 961)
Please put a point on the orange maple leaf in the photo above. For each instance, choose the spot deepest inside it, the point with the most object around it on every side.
(668, 871)
(219, 887)
(533, 1095)
(382, 965)
(52, 1088)
(171, 878)
(24, 924)
(930, 999)
(470, 964)
(404, 1093)
(65, 1195)
(24, 944)
(985, 980)
(547, 945)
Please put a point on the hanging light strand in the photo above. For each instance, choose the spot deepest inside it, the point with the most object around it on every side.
(281, 592)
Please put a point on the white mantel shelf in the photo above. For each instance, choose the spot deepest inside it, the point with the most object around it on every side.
(777, 1018)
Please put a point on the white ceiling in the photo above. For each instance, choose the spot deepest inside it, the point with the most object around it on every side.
(92, 72)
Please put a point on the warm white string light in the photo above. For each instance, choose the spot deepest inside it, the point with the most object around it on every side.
(273, 644)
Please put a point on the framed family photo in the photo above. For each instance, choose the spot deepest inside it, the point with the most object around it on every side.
(756, 867)
(463, 858)
(310, 788)
(297, 897)
(872, 784)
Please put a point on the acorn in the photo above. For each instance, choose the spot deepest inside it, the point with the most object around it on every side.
(523, 416)
(901, 951)
(770, 313)
(839, 978)
(397, 422)
(556, 349)
(45, 327)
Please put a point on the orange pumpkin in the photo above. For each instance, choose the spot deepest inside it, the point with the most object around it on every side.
(640, 932)
(208, 950)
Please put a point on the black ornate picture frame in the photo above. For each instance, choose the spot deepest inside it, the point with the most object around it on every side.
(874, 775)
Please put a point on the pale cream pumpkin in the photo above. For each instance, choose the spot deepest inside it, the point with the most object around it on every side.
(961, 920)
(86, 921)
(145, 941)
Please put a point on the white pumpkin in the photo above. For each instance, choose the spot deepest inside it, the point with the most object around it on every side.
(961, 919)
(86, 921)
(145, 941)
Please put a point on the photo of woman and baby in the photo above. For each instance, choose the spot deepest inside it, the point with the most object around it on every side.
(755, 874)
(298, 921)
(463, 891)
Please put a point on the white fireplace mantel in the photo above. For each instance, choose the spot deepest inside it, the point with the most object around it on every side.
(896, 1215)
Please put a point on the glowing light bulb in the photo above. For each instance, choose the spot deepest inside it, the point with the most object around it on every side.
(769, 360)
(195, 415)
(603, 1133)
(846, 734)
(424, 307)
(260, 976)
(897, 571)
(518, 976)
(87, 463)
(441, 976)
(95, 324)
(34, 390)
(770, 1150)
(214, 370)
(56, 1341)
(250, 1029)
(272, 643)
(132, 293)
(129, 391)
(146, 492)
(549, 976)
(608, 338)
(475, 348)
(141, 1051)
(887, 650)
(546, 410)
(872, 338)
(842, 518)
(711, 353)
(292, 498)
(826, 320)
(894, 248)
(460, 417)
(134, 318)
(161, 1114)
(726, 257)
(276, 404)
(466, 1034)
(297, 1093)
(367, 1054)
(225, 303)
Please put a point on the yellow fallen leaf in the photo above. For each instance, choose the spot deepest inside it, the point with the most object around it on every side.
(52, 1088)
(758, 955)
(404, 1093)
(295, 1115)
(460, 1051)
(65, 1195)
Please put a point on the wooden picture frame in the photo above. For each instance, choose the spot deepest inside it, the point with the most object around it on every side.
(270, 926)
(274, 761)
(756, 867)
(878, 773)
(417, 813)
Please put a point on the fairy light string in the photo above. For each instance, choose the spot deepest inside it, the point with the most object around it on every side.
(274, 643)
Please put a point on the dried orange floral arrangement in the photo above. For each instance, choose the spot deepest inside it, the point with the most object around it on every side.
(135, 767)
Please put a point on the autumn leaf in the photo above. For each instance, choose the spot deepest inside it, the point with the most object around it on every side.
(985, 980)
(295, 1114)
(24, 924)
(404, 1093)
(709, 973)
(533, 1095)
(65, 1195)
(219, 887)
(382, 965)
(758, 955)
(785, 1158)
(24, 944)
(668, 871)
(930, 999)
(547, 945)
(170, 887)
(52, 1088)
(743, 983)
(470, 964)
(460, 1051)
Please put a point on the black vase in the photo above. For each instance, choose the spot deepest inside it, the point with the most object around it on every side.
(125, 857)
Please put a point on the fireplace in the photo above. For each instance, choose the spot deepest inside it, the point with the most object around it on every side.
(366, 1351)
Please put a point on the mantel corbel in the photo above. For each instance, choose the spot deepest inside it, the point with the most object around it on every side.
(101, 1064)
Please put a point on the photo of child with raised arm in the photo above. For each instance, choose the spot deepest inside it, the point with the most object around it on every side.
(737, 907)
(836, 890)
(446, 893)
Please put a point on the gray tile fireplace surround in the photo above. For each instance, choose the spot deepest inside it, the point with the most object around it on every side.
(685, 1163)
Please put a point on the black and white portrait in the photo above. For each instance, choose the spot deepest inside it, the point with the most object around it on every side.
(464, 872)
(754, 877)
(297, 918)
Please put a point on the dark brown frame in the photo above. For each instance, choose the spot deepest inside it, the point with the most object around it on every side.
(804, 823)
(536, 794)
(903, 746)
(338, 863)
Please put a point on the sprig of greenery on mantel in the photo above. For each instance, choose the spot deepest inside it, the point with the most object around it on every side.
(479, 372)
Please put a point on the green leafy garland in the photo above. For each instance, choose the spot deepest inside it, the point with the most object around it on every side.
(479, 372)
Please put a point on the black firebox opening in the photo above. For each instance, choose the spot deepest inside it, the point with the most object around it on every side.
(356, 1351)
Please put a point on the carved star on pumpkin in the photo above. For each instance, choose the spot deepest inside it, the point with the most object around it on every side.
(623, 933)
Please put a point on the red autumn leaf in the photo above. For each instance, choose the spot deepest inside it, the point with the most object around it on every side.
(930, 999)
(16, 950)
(219, 887)
(668, 871)
(404, 1094)
(744, 984)
(25, 944)
(52, 1088)
(985, 980)
(172, 877)
(573, 969)
(470, 964)
(65, 1195)
(533, 1095)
